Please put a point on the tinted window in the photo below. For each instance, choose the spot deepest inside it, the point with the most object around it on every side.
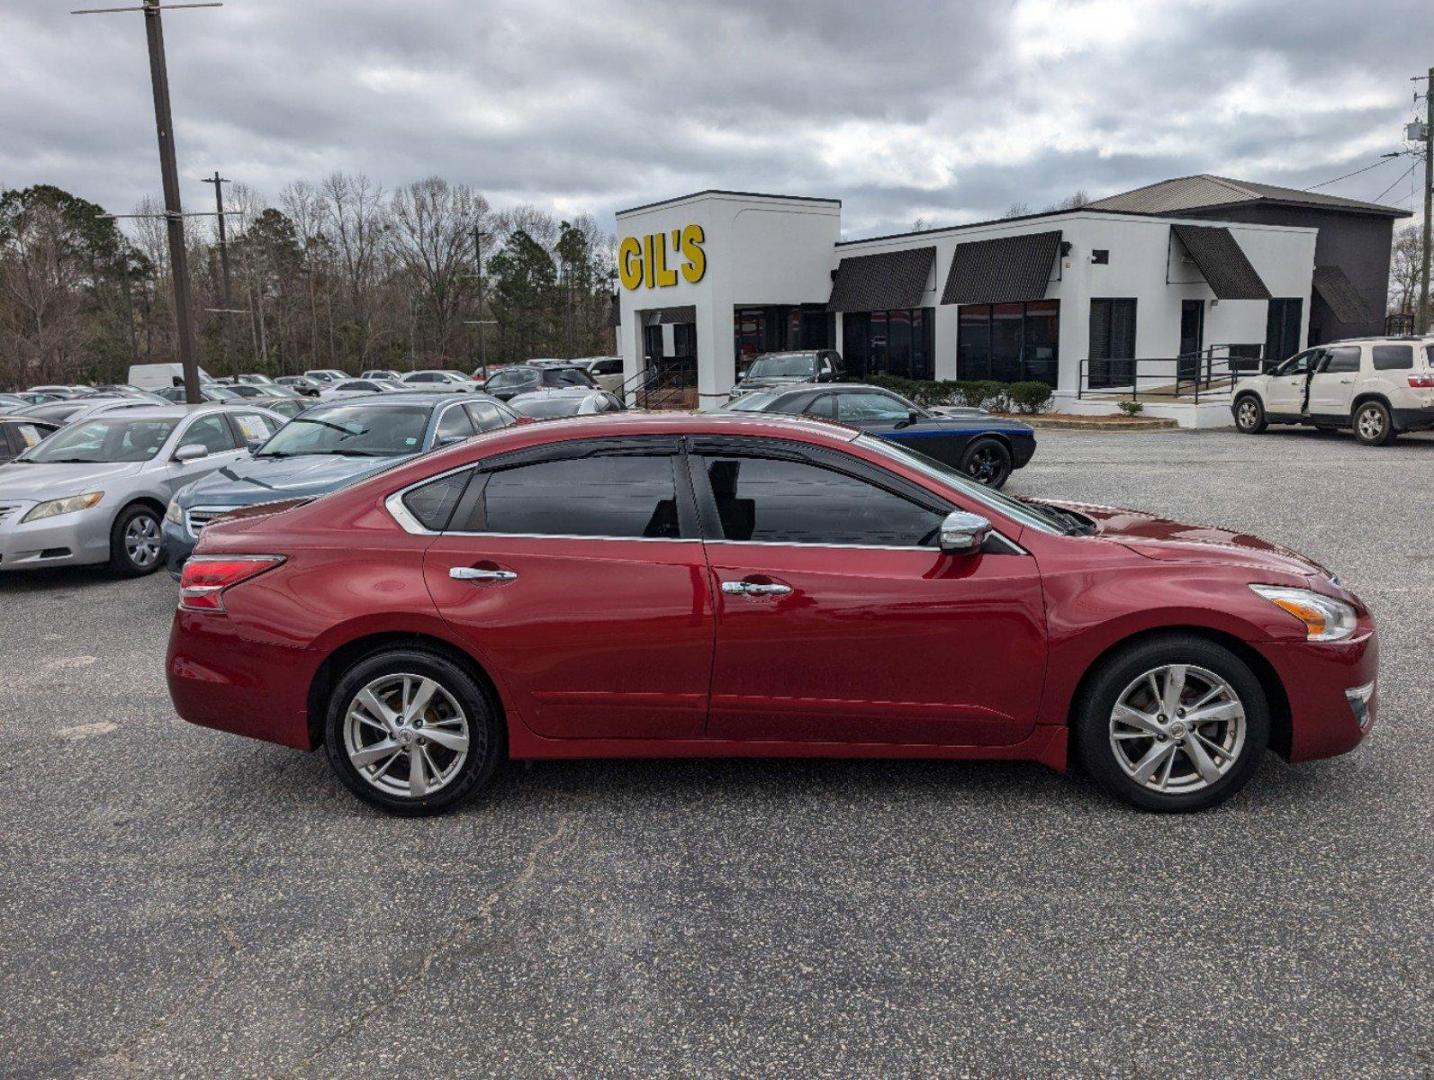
(1299, 365)
(867, 405)
(756, 402)
(1341, 358)
(616, 495)
(773, 501)
(433, 503)
(514, 378)
(783, 365)
(566, 377)
(486, 416)
(1393, 357)
(607, 367)
(824, 407)
(454, 425)
(210, 432)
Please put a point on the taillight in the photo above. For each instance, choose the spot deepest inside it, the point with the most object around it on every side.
(1422, 380)
(206, 577)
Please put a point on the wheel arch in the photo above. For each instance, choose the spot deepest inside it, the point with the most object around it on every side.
(1281, 730)
(331, 669)
(1366, 396)
(147, 500)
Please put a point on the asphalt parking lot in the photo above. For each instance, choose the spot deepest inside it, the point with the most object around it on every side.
(176, 901)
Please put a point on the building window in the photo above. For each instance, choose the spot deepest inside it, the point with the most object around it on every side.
(1009, 342)
(778, 328)
(889, 343)
(1282, 327)
(1112, 342)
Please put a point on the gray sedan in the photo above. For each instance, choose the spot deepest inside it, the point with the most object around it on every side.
(96, 490)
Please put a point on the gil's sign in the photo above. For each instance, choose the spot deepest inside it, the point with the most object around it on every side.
(643, 260)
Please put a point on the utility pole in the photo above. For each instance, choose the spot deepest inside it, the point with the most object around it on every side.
(173, 212)
(1421, 320)
(219, 182)
(480, 322)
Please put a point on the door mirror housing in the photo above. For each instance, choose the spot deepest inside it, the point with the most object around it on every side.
(190, 452)
(963, 533)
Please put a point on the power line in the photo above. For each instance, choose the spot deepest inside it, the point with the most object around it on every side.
(1395, 182)
(1382, 159)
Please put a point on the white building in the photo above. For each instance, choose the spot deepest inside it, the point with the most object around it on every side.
(1062, 297)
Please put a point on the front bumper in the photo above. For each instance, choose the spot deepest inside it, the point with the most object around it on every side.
(1326, 718)
(67, 540)
(178, 546)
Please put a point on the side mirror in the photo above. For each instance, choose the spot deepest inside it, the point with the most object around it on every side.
(253, 445)
(963, 533)
(190, 452)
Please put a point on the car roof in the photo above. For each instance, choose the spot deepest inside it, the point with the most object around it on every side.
(180, 411)
(559, 391)
(21, 418)
(399, 397)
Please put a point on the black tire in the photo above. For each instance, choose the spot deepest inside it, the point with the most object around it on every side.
(987, 461)
(1122, 670)
(1373, 425)
(485, 746)
(1250, 415)
(136, 559)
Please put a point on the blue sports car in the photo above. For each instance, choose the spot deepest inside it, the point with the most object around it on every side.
(325, 448)
(987, 448)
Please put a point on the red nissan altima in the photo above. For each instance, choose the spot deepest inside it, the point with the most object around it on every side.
(679, 585)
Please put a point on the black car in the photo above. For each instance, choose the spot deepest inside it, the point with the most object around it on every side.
(985, 447)
(19, 433)
(521, 378)
(773, 370)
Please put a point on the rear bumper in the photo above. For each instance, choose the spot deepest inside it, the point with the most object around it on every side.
(1318, 679)
(1414, 419)
(226, 676)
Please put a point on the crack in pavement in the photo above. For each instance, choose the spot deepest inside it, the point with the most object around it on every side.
(483, 913)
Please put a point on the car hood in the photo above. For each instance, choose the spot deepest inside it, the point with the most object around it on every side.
(1175, 541)
(767, 382)
(269, 479)
(40, 481)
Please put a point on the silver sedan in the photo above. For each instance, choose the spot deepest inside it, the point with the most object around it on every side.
(96, 490)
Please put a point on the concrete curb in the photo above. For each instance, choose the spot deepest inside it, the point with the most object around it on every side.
(1098, 423)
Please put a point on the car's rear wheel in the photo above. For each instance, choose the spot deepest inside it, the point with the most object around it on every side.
(1250, 415)
(987, 461)
(136, 541)
(411, 732)
(1173, 724)
(1373, 425)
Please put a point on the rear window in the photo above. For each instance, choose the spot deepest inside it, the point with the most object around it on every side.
(1393, 357)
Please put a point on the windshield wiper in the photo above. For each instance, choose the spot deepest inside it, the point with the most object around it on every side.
(71, 461)
(358, 453)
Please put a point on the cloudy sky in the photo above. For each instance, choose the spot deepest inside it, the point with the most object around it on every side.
(906, 109)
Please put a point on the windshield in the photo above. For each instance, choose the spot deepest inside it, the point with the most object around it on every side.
(351, 431)
(545, 408)
(779, 365)
(1045, 519)
(103, 441)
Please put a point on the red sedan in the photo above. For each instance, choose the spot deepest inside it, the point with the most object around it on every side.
(663, 586)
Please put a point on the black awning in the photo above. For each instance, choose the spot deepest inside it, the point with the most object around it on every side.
(1217, 255)
(1004, 270)
(881, 282)
(1340, 294)
(669, 316)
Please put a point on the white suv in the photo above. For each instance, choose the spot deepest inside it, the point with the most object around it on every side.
(1378, 386)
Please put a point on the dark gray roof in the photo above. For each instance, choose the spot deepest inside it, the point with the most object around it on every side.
(1220, 259)
(1002, 270)
(880, 282)
(1206, 191)
(668, 316)
(1341, 296)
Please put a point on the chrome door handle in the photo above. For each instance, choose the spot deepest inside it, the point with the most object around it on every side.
(752, 588)
(472, 573)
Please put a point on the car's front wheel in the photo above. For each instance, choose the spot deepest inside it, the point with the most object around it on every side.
(136, 541)
(1373, 425)
(987, 461)
(1250, 415)
(1175, 723)
(411, 732)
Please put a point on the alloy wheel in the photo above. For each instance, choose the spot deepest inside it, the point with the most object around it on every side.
(1177, 728)
(406, 735)
(1371, 423)
(142, 541)
(1249, 415)
(985, 465)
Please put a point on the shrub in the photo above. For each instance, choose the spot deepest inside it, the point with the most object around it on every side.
(1029, 398)
(1131, 408)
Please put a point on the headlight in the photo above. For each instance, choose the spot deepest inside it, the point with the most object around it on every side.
(174, 513)
(1325, 618)
(69, 505)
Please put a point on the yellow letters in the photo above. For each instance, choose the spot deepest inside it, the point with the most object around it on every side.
(642, 260)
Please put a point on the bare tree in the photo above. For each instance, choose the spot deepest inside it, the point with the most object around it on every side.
(432, 244)
(1404, 269)
(357, 225)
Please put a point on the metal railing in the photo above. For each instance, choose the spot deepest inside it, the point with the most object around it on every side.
(658, 387)
(1211, 373)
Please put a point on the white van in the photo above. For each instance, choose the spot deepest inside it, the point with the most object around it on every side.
(161, 376)
(1377, 386)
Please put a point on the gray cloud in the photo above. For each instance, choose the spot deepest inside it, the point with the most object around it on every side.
(945, 111)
